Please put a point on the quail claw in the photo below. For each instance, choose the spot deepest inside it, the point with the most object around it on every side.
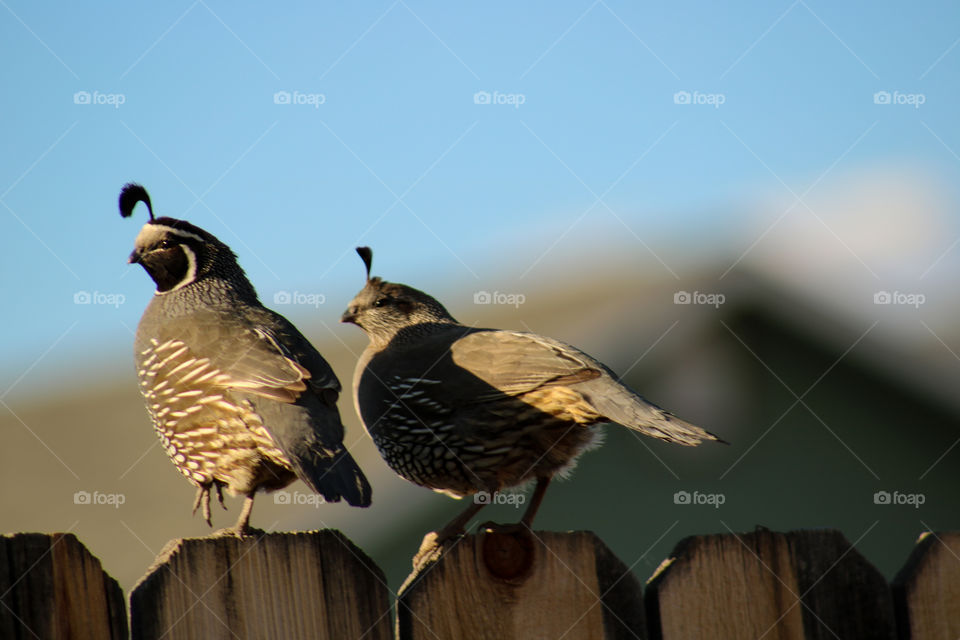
(203, 501)
(432, 548)
(495, 527)
(430, 551)
(220, 495)
(234, 532)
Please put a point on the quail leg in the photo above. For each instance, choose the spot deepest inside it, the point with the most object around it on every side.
(242, 527)
(538, 493)
(526, 522)
(432, 545)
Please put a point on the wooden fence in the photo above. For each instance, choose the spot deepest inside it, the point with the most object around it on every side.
(776, 586)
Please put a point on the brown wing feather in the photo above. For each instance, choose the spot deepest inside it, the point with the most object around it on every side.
(245, 358)
(516, 363)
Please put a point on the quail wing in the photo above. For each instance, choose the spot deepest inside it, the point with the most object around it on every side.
(517, 363)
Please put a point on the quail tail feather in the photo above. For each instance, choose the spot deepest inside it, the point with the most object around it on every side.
(310, 434)
(621, 405)
(336, 478)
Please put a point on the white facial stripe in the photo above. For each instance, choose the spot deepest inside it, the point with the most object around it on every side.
(182, 233)
(191, 268)
(151, 233)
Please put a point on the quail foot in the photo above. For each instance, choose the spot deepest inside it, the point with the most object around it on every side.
(463, 410)
(239, 398)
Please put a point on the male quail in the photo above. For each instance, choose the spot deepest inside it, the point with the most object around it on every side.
(240, 399)
(462, 410)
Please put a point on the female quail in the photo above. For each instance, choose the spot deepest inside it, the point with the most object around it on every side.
(240, 399)
(462, 410)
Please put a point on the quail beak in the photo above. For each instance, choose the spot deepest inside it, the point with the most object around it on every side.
(135, 256)
(349, 316)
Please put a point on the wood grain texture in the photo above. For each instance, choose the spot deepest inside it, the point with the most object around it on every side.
(927, 589)
(544, 585)
(281, 585)
(778, 586)
(52, 587)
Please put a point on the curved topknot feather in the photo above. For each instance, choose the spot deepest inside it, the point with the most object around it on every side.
(366, 254)
(130, 195)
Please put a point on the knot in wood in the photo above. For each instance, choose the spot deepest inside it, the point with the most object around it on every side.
(508, 555)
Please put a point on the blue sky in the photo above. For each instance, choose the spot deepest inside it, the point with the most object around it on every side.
(391, 145)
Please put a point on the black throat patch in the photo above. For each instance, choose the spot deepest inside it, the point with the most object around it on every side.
(171, 267)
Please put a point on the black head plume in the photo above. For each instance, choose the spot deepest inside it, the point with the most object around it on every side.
(130, 195)
(366, 254)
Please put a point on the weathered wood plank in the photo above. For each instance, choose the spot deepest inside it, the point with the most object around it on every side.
(779, 586)
(518, 585)
(281, 585)
(52, 587)
(927, 589)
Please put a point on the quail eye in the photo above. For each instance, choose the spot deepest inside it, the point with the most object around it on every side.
(381, 302)
(167, 243)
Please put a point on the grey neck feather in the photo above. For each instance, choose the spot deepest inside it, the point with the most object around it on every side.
(411, 333)
(209, 291)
